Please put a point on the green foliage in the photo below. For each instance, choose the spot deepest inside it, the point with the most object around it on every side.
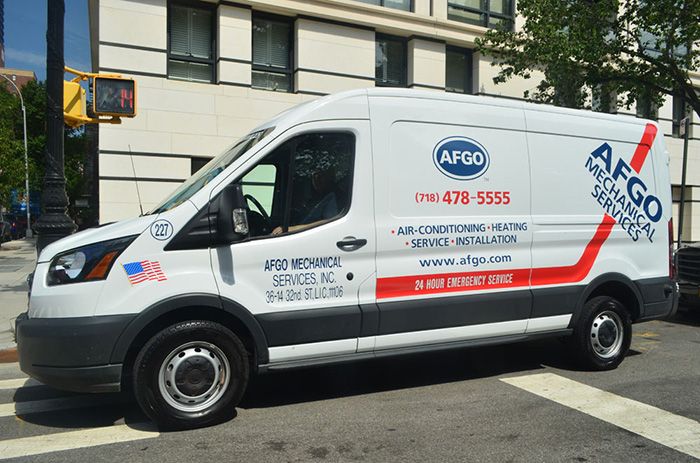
(636, 48)
(12, 145)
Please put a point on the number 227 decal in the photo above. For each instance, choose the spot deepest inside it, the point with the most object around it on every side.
(161, 230)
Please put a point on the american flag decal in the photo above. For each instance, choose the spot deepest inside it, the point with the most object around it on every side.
(138, 272)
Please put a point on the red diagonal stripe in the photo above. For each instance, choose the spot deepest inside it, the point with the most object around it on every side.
(578, 271)
(640, 154)
(413, 285)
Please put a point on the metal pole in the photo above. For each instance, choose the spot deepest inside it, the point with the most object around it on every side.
(54, 223)
(685, 126)
(28, 232)
(26, 156)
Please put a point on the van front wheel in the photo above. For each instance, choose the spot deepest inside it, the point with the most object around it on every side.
(603, 335)
(191, 374)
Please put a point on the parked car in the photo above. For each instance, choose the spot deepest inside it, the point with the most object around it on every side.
(688, 274)
(5, 229)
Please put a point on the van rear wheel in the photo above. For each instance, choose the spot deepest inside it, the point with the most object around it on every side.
(603, 335)
(191, 374)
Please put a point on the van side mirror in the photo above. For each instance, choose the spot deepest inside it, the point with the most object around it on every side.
(231, 218)
(224, 221)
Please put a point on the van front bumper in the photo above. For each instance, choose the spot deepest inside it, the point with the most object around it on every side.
(71, 353)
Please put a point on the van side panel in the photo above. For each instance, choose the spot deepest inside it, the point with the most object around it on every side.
(452, 208)
(661, 161)
(596, 205)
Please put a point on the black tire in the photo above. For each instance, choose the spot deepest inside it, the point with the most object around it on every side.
(602, 316)
(219, 350)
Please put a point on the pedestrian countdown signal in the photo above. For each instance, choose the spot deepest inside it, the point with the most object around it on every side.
(114, 96)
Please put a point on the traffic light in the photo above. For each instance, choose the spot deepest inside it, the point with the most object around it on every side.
(113, 96)
(73, 100)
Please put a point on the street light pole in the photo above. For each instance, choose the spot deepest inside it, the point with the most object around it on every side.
(26, 155)
(54, 223)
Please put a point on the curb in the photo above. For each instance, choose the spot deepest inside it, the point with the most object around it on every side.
(9, 354)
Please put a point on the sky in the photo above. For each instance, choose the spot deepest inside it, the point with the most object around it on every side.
(25, 35)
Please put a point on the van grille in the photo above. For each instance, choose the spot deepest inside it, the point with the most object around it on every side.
(688, 261)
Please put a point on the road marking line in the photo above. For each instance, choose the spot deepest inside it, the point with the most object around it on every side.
(676, 432)
(10, 366)
(48, 443)
(52, 405)
(19, 383)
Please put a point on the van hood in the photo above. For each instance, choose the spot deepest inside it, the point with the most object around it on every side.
(128, 227)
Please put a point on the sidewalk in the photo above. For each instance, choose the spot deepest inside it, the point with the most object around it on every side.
(17, 260)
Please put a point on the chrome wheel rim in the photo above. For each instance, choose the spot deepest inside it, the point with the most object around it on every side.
(194, 376)
(607, 334)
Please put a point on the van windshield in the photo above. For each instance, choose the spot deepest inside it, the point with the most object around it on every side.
(210, 170)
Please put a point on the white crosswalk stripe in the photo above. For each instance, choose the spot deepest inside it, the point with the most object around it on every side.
(62, 441)
(48, 443)
(14, 367)
(676, 432)
(18, 383)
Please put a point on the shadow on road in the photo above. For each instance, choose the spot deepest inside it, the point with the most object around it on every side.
(687, 315)
(322, 383)
(106, 410)
(330, 382)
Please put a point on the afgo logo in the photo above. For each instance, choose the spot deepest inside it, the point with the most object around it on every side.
(461, 158)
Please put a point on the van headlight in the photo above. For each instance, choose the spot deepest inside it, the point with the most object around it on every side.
(88, 263)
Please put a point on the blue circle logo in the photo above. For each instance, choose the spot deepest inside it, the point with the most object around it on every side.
(461, 158)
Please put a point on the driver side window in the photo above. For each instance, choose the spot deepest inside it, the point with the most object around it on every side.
(303, 183)
(260, 183)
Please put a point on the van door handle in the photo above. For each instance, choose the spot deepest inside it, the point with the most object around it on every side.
(350, 243)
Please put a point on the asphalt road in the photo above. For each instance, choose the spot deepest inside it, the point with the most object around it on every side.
(452, 406)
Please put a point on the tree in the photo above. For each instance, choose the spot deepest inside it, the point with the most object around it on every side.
(12, 149)
(641, 49)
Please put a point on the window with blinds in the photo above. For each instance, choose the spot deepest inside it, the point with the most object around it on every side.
(190, 43)
(497, 14)
(396, 4)
(390, 61)
(458, 70)
(272, 54)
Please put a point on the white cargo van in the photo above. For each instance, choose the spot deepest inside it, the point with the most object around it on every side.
(368, 223)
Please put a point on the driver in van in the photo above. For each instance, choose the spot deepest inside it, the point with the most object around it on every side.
(323, 182)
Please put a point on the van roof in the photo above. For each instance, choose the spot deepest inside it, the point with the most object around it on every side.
(298, 112)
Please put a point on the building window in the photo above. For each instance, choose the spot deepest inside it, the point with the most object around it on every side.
(603, 99)
(647, 107)
(197, 163)
(191, 43)
(688, 204)
(272, 54)
(390, 61)
(396, 4)
(681, 110)
(458, 70)
(486, 13)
